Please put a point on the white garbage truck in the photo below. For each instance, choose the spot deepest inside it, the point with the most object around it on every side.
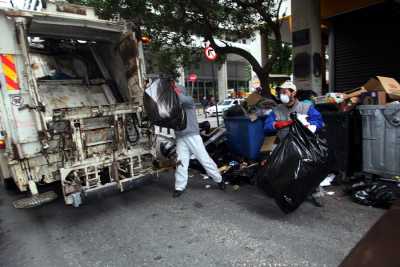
(71, 101)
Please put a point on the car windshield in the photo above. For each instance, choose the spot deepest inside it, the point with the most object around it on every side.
(225, 103)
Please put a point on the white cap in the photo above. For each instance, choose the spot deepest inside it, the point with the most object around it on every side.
(289, 85)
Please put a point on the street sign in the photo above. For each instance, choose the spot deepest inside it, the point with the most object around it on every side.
(210, 53)
(192, 77)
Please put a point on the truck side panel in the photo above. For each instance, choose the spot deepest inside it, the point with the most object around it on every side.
(20, 126)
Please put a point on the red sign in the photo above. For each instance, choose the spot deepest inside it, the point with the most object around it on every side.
(192, 77)
(210, 53)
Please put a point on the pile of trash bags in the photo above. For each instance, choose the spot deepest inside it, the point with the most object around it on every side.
(295, 168)
(162, 105)
(378, 193)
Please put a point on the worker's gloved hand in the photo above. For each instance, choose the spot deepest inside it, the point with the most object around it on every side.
(283, 124)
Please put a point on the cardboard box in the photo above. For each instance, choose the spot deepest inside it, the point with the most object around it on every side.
(389, 85)
(253, 99)
(382, 99)
(269, 141)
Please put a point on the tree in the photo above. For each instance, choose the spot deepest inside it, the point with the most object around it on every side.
(284, 62)
(172, 24)
(165, 59)
(168, 49)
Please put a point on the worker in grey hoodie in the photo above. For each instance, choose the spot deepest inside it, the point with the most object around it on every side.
(188, 142)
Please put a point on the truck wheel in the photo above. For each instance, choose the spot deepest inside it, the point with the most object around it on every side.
(10, 185)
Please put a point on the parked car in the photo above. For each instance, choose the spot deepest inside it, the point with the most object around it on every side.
(222, 106)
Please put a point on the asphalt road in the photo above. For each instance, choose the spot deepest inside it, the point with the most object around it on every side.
(205, 227)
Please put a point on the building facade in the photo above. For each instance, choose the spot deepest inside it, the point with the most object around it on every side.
(218, 80)
(358, 37)
(236, 73)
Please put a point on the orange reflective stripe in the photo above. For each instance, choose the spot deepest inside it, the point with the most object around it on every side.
(10, 72)
(11, 85)
(8, 60)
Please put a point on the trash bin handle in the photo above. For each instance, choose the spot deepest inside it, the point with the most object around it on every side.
(395, 122)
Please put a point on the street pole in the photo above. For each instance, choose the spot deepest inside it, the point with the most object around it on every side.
(192, 89)
(216, 104)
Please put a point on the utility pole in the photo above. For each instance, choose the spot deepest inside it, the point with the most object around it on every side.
(215, 92)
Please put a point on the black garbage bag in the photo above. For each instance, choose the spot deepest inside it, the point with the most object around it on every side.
(296, 167)
(234, 111)
(162, 105)
(379, 194)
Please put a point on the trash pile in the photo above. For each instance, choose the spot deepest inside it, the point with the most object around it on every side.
(234, 168)
(363, 129)
(379, 192)
(377, 91)
(237, 173)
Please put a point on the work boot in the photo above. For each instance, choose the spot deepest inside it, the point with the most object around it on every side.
(221, 185)
(177, 193)
(316, 201)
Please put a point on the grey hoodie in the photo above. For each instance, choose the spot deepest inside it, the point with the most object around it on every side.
(192, 126)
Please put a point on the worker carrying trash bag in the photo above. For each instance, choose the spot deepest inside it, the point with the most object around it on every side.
(162, 105)
(188, 141)
(278, 121)
(295, 168)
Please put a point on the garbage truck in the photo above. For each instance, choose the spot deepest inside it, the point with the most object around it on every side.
(71, 102)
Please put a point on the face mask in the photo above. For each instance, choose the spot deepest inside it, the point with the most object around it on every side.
(284, 99)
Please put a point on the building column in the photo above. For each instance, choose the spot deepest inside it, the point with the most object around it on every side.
(222, 81)
(307, 44)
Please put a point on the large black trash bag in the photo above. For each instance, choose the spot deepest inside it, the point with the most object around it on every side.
(161, 104)
(295, 168)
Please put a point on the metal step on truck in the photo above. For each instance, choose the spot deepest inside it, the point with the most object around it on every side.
(71, 103)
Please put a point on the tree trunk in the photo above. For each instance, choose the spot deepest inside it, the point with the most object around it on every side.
(264, 82)
(263, 77)
(262, 72)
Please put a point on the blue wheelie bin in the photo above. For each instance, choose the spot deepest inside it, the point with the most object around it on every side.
(245, 137)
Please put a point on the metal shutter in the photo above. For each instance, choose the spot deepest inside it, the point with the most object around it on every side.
(366, 45)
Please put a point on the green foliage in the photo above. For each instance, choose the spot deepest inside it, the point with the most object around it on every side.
(165, 60)
(284, 61)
